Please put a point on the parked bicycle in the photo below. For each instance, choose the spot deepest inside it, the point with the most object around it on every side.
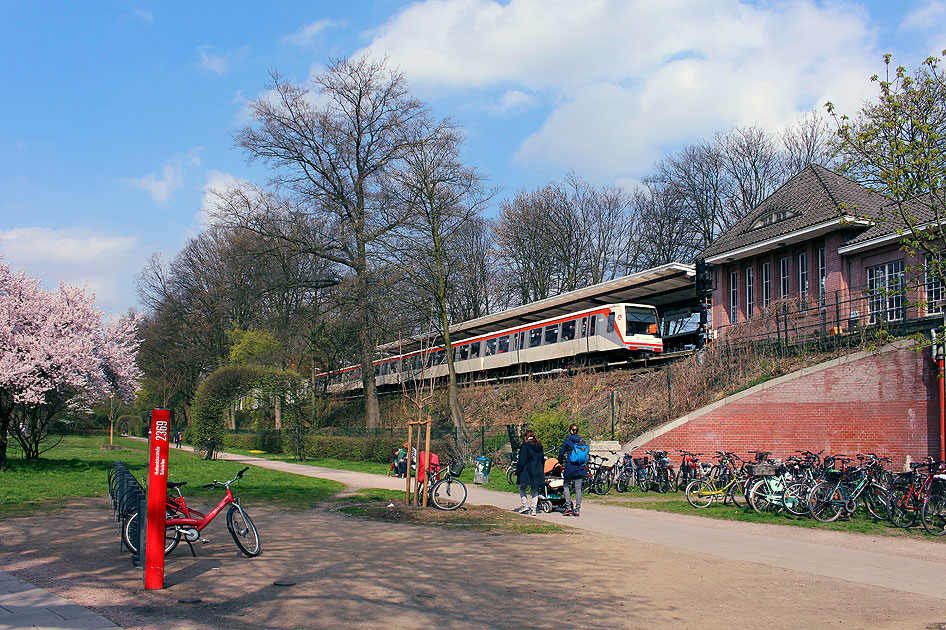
(446, 491)
(842, 491)
(183, 521)
(910, 492)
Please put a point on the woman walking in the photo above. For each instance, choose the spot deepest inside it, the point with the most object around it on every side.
(531, 473)
(575, 473)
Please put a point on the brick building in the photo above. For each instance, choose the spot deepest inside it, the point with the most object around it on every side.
(823, 243)
(821, 256)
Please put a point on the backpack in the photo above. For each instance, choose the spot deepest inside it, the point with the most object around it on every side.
(579, 453)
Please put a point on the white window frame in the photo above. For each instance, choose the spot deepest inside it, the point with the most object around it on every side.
(750, 289)
(935, 291)
(766, 284)
(784, 271)
(733, 297)
(822, 278)
(803, 276)
(885, 284)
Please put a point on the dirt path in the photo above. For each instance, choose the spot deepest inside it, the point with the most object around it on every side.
(352, 573)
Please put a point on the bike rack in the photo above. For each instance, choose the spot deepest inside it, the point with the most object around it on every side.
(126, 496)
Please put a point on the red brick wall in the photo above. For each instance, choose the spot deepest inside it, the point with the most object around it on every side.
(884, 403)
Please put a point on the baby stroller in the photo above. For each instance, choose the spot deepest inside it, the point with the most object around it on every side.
(553, 494)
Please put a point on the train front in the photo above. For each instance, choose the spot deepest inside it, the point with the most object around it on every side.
(641, 330)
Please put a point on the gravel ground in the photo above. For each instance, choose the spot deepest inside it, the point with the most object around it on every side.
(354, 573)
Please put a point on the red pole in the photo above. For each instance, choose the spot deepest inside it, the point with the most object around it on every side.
(157, 498)
(942, 408)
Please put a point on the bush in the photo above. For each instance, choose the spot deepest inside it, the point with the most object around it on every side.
(269, 442)
(551, 426)
(366, 449)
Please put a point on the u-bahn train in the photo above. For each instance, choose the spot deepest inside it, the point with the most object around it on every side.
(595, 335)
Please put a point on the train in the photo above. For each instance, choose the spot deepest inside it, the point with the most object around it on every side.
(592, 336)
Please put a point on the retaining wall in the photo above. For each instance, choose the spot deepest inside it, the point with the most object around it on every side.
(886, 402)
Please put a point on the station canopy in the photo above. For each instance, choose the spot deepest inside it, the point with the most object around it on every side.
(670, 288)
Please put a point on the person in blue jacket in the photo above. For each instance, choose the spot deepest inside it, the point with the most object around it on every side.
(574, 473)
(530, 469)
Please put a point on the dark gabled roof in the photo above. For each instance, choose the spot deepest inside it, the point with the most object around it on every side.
(890, 222)
(816, 196)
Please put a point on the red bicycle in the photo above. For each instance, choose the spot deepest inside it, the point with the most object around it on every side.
(183, 521)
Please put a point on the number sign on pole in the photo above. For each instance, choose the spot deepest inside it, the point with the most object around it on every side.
(157, 498)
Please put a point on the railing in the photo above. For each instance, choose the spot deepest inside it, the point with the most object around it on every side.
(126, 495)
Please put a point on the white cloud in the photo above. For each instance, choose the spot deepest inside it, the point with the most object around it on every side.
(309, 34)
(925, 16)
(161, 185)
(625, 80)
(105, 264)
(216, 63)
(512, 100)
(217, 182)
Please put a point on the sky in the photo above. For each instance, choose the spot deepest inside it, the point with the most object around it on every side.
(117, 116)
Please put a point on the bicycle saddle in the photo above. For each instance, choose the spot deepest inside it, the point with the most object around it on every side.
(176, 484)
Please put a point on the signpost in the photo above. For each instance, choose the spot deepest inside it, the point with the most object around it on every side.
(157, 498)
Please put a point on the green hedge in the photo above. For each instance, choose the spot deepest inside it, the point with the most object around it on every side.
(269, 442)
(367, 449)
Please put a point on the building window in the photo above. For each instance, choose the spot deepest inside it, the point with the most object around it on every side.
(803, 276)
(885, 292)
(750, 299)
(733, 297)
(935, 269)
(822, 278)
(766, 284)
(783, 278)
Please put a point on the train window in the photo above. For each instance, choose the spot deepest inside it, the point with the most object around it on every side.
(475, 350)
(463, 353)
(490, 347)
(637, 322)
(377, 370)
(584, 328)
(591, 331)
(522, 341)
(568, 330)
(535, 337)
(610, 322)
(441, 357)
(503, 344)
(551, 334)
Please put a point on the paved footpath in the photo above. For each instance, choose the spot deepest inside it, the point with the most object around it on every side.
(23, 606)
(880, 565)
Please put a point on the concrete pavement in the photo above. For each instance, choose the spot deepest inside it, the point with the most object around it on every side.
(915, 566)
(23, 606)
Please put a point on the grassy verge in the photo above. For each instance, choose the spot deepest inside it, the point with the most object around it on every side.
(376, 504)
(77, 468)
(860, 523)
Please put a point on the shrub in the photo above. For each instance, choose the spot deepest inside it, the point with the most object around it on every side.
(551, 426)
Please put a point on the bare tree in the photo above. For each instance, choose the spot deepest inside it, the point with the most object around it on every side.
(665, 235)
(473, 287)
(751, 160)
(333, 143)
(808, 142)
(443, 196)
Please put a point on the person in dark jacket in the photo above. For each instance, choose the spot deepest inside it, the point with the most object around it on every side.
(574, 473)
(530, 469)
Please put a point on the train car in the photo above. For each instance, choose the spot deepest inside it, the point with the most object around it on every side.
(591, 336)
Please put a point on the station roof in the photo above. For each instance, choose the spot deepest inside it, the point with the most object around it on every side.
(668, 287)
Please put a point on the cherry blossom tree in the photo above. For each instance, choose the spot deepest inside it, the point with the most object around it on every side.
(56, 352)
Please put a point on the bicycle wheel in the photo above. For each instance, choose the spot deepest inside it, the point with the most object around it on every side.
(823, 504)
(623, 482)
(663, 481)
(933, 514)
(448, 494)
(900, 508)
(510, 475)
(602, 484)
(736, 489)
(875, 498)
(795, 500)
(243, 531)
(700, 493)
(131, 533)
(643, 480)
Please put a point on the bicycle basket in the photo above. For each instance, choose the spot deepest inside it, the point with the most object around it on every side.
(641, 461)
(833, 476)
(761, 470)
(456, 467)
(852, 474)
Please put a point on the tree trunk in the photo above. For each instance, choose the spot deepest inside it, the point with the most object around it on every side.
(277, 411)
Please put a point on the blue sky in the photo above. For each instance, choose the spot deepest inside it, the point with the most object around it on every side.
(116, 116)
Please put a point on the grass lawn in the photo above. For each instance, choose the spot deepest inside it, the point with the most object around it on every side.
(77, 468)
(675, 502)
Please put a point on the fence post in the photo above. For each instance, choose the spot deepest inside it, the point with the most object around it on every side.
(669, 395)
(612, 414)
(483, 440)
